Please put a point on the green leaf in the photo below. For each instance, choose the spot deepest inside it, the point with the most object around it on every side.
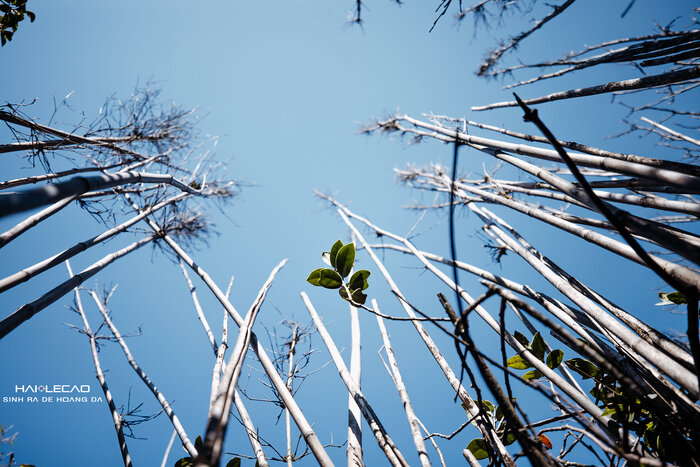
(554, 358)
(359, 280)
(334, 251)
(672, 298)
(534, 374)
(518, 362)
(184, 462)
(31, 15)
(345, 259)
(198, 444)
(583, 367)
(499, 412)
(522, 339)
(508, 439)
(608, 411)
(325, 277)
(357, 295)
(235, 462)
(314, 277)
(487, 405)
(477, 446)
(537, 346)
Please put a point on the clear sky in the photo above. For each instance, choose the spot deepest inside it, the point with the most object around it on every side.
(285, 87)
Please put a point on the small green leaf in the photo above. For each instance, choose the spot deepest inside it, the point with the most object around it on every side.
(357, 295)
(499, 412)
(31, 15)
(537, 346)
(583, 367)
(518, 362)
(554, 358)
(198, 444)
(315, 277)
(508, 439)
(608, 411)
(235, 462)
(325, 277)
(534, 374)
(184, 462)
(487, 405)
(334, 251)
(478, 448)
(672, 298)
(522, 339)
(345, 259)
(359, 280)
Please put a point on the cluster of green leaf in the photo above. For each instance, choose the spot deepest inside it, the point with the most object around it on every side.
(635, 414)
(478, 446)
(199, 445)
(614, 400)
(13, 12)
(538, 348)
(342, 259)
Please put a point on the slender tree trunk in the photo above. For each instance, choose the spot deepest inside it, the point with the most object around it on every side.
(354, 413)
(25, 312)
(189, 447)
(403, 393)
(385, 442)
(116, 418)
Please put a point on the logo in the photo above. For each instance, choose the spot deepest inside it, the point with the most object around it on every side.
(53, 388)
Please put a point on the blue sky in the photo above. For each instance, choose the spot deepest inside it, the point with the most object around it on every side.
(285, 87)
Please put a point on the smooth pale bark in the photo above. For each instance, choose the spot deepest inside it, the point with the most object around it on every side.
(304, 427)
(641, 328)
(36, 197)
(27, 273)
(484, 426)
(14, 232)
(51, 176)
(260, 459)
(646, 82)
(166, 454)
(216, 379)
(25, 312)
(680, 272)
(432, 441)
(677, 372)
(650, 161)
(654, 202)
(200, 313)
(385, 442)
(219, 411)
(576, 395)
(684, 244)
(116, 417)
(683, 181)
(672, 132)
(186, 443)
(354, 413)
(290, 378)
(403, 392)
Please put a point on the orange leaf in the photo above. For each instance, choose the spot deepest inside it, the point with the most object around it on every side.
(544, 440)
